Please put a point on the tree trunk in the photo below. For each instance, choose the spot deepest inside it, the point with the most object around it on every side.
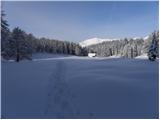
(17, 58)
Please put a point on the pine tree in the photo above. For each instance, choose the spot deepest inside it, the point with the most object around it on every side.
(110, 52)
(5, 35)
(77, 50)
(153, 50)
(19, 45)
(4, 24)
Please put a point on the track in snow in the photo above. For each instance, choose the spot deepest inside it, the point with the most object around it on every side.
(59, 103)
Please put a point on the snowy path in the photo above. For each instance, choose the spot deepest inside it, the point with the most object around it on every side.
(59, 101)
(80, 88)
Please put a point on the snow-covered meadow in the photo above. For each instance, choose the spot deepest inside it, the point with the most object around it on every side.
(80, 87)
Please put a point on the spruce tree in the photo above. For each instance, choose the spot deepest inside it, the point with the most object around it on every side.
(19, 45)
(153, 49)
(5, 35)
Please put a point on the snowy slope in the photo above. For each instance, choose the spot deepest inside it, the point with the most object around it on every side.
(145, 38)
(93, 41)
(143, 56)
(80, 87)
(38, 56)
(135, 38)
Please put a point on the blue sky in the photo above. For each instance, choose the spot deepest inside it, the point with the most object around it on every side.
(77, 21)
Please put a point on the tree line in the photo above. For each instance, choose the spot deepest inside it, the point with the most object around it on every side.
(18, 45)
(127, 48)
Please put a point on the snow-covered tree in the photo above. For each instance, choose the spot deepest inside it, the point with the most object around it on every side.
(153, 49)
(128, 48)
(19, 46)
(78, 50)
(5, 35)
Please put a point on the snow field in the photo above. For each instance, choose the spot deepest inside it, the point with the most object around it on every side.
(80, 87)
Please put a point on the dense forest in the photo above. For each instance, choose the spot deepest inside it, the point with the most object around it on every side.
(128, 48)
(18, 45)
